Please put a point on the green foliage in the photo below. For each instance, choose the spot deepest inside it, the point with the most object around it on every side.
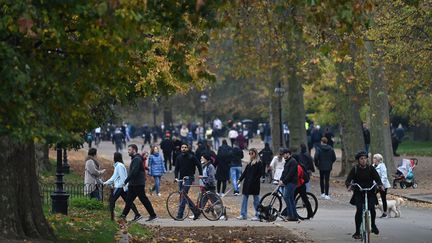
(139, 232)
(86, 203)
(64, 64)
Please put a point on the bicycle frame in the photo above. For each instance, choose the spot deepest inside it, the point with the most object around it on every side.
(366, 225)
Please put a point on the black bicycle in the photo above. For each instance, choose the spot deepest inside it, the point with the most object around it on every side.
(272, 201)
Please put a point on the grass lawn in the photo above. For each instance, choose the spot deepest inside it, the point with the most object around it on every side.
(415, 148)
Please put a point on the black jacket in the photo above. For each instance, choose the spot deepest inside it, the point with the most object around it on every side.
(185, 164)
(266, 155)
(167, 146)
(136, 176)
(366, 135)
(289, 174)
(237, 156)
(223, 160)
(251, 176)
(307, 162)
(324, 157)
(364, 177)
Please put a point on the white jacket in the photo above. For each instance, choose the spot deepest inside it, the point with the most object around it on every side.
(118, 177)
(382, 172)
(277, 167)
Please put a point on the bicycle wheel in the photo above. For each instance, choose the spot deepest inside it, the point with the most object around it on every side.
(301, 206)
(173, 205)
(211, 206)
(272, 200)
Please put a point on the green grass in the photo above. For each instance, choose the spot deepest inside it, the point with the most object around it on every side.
(415, 148)
(49, 175)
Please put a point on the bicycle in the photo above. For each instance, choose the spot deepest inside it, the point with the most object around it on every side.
(272, 201)
(366, 225)
(208, 203)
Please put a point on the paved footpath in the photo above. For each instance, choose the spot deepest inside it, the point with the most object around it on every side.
(334, 221)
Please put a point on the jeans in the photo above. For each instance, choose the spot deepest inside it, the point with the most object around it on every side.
(235, 173)
(119, 192)
(186, 184)
(134, 192)
(244, 205)
(96, 193)
(289, 191)
(157, 184)
(216, 143)
(308, 186)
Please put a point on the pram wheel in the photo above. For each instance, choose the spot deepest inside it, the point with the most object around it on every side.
(414, 185)
(403, 185)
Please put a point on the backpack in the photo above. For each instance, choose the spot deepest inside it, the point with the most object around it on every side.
(300, 173)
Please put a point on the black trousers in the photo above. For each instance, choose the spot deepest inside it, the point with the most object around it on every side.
(384, 199)
(302, 191)
(324, 181)
(134, 192)
(224, 184)
(358, 215)
(168, 160)
(119, 192)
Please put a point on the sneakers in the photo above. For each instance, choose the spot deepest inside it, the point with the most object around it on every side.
(222, 217)
(375, 230)
(222, 194)
(357, 236)
(255, 219)
(241, 218)
(196, 216)
(327, 197)
(322, 195)
(159, 194)
(137, 217)
(236, 193)
(384, 215)
(152, 218)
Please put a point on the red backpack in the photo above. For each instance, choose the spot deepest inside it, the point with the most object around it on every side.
(300, 174)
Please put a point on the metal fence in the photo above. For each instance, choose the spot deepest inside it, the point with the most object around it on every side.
(75, 190)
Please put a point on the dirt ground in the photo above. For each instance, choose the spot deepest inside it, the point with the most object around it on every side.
(222, 234)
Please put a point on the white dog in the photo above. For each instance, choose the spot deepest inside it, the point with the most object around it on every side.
(392, 206)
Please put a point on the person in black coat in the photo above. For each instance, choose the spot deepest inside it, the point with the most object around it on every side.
(289, 181)
(251, 185)
(167, 146)
(307, 162)
(266, 155)
(324, 158)
(223, 160)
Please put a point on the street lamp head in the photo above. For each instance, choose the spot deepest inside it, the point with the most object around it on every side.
(203, 98)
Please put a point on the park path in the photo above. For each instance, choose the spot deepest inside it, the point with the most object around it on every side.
(334, 221)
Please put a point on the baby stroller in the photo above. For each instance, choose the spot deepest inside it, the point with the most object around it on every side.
(405, 174)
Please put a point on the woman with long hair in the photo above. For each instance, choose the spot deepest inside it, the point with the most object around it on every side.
(251, 185)
(117, 179)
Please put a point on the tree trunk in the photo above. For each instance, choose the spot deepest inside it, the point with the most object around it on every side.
(167, 113)
(348, 110)
(379, 108)
(42, 158)
(275, 124)
(21, 204)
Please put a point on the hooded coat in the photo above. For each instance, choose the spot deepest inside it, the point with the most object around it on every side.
(156, 165)
(325, 157)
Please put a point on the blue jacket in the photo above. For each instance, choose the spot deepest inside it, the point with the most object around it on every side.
(156, 165)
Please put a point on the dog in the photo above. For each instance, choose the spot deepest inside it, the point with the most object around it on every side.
(392, 206)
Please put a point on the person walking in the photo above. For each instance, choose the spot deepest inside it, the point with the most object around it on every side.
(366, 137)
(277, 165)
(289, 180)
(381, 168)
(364, 175)
(324, 158)
(303, 178)
(136, 187)
(118, 139)
(117, 179)
(236, 167)
(251, 185)
(156, 169)
(92, 175)
(266, 155)
(185, 165)
(223, 159)
(232, 135)
(167, 146)
(307, 162)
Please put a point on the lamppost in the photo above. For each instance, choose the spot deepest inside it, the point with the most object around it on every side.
(66, 166)
(59, 198)
(203, 99)
(279, 91)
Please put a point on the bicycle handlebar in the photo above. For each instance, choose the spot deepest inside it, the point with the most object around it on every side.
(364, 189)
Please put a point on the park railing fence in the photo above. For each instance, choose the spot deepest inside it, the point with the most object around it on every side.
(75, 190)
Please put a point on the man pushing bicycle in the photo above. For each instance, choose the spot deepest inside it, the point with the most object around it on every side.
(363, 175)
